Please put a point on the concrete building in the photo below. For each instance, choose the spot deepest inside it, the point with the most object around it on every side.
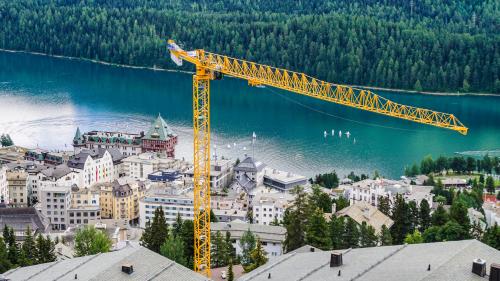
(173, 201)
(60, 175)
(33, 181)
(132, 263)
(17, 181)
(364, 212)
(144, 164)
(221, 174)
(55, 202)
(22, 218)
(120, 199)
(271, 237)
(85, 206)
(443, 261)
(96, 166)
(269, 207)
(249, 174)
(282, 181)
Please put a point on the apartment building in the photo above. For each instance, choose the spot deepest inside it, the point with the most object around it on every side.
(54, 203)
(96, 165)
(144, 164)
(120, 199)
(268, 207)
(17, 181)
(221, 174)
(4, 185)
(85, 206)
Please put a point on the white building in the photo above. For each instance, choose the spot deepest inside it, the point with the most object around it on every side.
(4, 187)
(126, 143)
(491, 213)
(370, 191)
(282, 181)
(271, 237)
(269, 207)
(173, 201)
(140, 166)
(60, 175)
(221, 174)
(96, 166)
(55, 202)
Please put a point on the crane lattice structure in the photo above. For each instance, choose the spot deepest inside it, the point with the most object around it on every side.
(210, 66)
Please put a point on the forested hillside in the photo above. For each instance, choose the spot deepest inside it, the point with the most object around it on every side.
(443, 45)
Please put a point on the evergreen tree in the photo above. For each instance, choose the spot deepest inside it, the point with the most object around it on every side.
(28, 249)
(187, 236)
(295, 220)
(247, 244)
(385, 236)
(490, 185)
(384, 205)
(401, 218)
(440, 216)
(320, 199)
(91, 241)
(453, 231)
(45, 249)
(230, 273)
(414, 216)
(490, 237)
(351, 234)
(4, 260)
(458, 213)
(433, 234)
(317, 230)
(13, 248)
(258, 257)
(155, 233)
(173, 248)
(218, 246)
(367, 236)
(337, 228)
(230, 252)
(177, 226)
(424, 215)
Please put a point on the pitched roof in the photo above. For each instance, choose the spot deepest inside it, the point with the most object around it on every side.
(159, 130)
(57, 172)
(364, 212)
(21, 218)
(250, 165)
(78, 161)
(147, 265)
(449, 261)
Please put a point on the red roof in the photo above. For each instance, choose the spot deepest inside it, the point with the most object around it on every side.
(489, 198)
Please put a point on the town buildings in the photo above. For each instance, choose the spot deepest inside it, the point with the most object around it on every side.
(54, 204)
(33, 180)
(173, 201)
(249, 174)
(4, 185)
(364, 212)
(96, 165)
(221, 174)
(49, 158)
(17, 181)
(120, 199)
(270, 207)
(159, 139)
(142, 165)
(271, 237)
(282, 181)
(85, 206)
(370, 191)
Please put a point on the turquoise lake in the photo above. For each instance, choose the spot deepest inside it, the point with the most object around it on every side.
(43, 100)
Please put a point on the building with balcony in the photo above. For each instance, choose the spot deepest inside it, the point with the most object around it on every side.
(54, 203)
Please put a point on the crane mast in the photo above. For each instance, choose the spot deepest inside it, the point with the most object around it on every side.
(210, 66)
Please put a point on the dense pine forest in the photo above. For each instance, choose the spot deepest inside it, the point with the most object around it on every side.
(440, 45)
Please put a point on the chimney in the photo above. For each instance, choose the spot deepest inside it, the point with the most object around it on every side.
(495, 272)
(128, 268)
(312, 249)
(479, 267)
(336, 259)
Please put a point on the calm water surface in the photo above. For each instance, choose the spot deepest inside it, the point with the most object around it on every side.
(43, 100)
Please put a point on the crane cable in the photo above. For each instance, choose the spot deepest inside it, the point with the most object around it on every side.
(336, 116)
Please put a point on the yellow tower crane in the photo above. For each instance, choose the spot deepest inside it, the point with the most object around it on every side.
(210, 66)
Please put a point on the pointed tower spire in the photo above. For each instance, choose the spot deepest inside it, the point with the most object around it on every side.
(78, 134)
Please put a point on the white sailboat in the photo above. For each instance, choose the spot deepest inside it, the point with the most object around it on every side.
(348, 134)
(340, 133)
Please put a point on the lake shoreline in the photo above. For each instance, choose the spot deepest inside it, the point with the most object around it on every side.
(191, 72)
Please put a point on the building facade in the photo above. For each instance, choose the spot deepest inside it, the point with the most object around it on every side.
(95, 166)
(173, 201)
(18, 188)
(85, 206)
(120, 199)
(144, 164)
(4, 185)
(249, 174)
(282, 181)
(54, 203)
(160, 138)
(270, 207)
(221, 174)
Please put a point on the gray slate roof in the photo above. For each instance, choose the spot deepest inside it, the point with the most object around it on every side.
(449, 261)
(21, 218)
(250, 165)
(57, 172)
(78, 161)
(147, 264)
